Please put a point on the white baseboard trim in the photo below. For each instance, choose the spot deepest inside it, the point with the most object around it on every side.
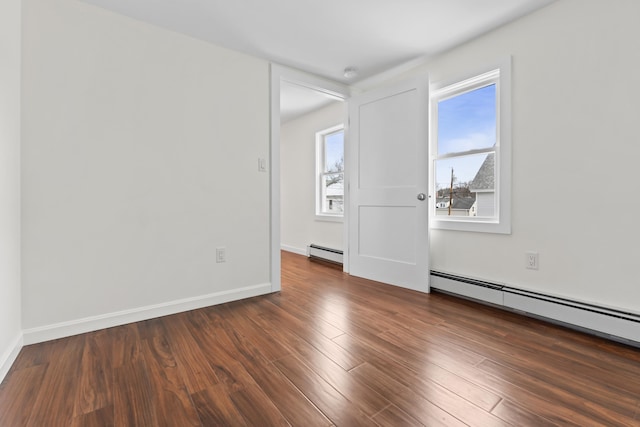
(10, 355)
(94, 323)
(299, 251)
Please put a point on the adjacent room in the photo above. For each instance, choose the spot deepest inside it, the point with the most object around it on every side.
(319, 213)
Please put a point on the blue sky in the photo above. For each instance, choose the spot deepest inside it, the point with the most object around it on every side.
(334, 148)
(465, 122)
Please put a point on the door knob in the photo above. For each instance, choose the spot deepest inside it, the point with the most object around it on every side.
(421, 196)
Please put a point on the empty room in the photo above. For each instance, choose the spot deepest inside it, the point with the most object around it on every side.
(289, 212)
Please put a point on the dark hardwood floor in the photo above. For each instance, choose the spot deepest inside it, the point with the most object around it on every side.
(328, 350)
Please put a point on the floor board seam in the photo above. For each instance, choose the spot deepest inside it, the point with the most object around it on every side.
(496, 404)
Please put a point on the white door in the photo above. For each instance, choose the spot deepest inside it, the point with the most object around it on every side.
(388, 161)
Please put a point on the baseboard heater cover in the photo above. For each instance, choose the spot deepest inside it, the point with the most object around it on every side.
(326, 254)
(468, 288)
(609, 323)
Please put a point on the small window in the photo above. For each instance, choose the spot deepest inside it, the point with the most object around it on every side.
(470, 147)
(330, 173)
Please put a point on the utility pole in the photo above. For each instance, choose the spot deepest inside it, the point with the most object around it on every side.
(451, 193)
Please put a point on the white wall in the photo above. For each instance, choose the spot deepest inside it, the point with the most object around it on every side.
(140, 150)
(299, 226)
(10, 317)
(575, 143)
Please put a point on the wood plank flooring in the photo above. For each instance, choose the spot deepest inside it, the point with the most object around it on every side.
(330, 349)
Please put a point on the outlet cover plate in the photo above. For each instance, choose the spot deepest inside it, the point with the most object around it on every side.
(531, 260)
(221, 254)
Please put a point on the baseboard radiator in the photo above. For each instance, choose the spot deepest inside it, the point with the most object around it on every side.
(325, 254)
(609, 323)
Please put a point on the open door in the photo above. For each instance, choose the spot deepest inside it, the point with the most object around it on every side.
(388, 206)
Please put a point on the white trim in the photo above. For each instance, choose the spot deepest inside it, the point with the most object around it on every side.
(274, 177)
(347, 193)
(295, 250)
(10, 355)
(281, 73)
(442, 90)
(330, 218)
(94, 323)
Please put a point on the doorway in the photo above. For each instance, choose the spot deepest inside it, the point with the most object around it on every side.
(325, 104)
(311, 169)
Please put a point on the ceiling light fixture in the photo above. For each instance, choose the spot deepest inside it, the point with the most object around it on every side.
(350, 72)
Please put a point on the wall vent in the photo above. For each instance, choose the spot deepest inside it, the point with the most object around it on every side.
(617, 325)
(325, 254)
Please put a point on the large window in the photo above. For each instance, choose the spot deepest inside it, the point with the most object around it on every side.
(471, 153)
(330, 173)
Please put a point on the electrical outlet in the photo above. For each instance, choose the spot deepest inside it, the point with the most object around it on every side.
(531, 260)
(221, 254)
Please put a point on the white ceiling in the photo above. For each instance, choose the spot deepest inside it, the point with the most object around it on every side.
(296, 101)
(324, 37)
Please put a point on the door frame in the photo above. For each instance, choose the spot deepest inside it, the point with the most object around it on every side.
(278, 74)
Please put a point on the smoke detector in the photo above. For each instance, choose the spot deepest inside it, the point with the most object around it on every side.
(350, 72)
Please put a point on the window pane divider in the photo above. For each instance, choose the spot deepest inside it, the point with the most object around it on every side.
(495, 148)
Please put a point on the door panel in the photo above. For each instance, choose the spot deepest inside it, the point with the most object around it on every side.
(386, 142)
(388, 225)
(399, 246)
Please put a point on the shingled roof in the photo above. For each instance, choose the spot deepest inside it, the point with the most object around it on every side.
(485, 178)
(458, 202)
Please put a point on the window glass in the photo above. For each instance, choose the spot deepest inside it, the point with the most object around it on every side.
(460, 179)
(467, 121)
(334, 152)
(330, 172)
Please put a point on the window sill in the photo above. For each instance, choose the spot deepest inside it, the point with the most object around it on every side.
(478, 226)
(330, 218)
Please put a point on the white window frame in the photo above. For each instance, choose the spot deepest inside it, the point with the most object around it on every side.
(320, 173)
(499, 73)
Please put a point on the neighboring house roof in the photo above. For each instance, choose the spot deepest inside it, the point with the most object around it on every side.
(336, 189)
(485, 178)
(458, 203)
